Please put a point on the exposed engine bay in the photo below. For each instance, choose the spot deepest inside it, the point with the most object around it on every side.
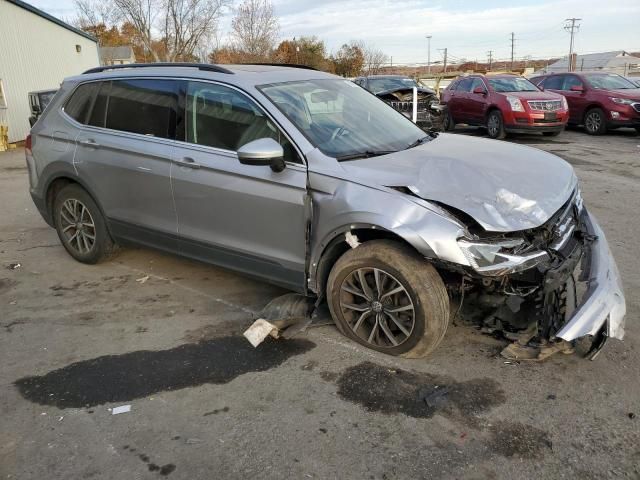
(429, 110)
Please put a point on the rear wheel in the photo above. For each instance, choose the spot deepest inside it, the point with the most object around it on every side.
(595, 122)
(448, 124)
(384, 296)
(495, 125)
(81, 226)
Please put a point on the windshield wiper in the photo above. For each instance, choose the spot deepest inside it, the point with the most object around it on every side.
(366, 154)
(419, 141)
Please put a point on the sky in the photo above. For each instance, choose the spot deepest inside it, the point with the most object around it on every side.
(468, 29)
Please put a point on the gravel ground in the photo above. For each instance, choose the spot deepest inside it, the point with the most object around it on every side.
(78, 340)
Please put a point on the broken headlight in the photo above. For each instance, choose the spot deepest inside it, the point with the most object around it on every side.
(495, 258)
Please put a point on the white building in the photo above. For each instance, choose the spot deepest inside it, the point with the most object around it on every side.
(37, 51)
(117, 55)
(617, 61)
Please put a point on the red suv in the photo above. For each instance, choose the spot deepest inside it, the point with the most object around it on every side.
(599, 101)
(504, 104)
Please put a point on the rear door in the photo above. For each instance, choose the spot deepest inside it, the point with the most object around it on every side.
(247, 218)
(124, 154)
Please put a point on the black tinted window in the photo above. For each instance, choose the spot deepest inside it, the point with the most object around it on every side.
(147, 107)
(99, 111)
(79, 105)
(553, 83)
(218, 116)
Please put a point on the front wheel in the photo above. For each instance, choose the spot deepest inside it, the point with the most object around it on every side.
(386, 297)
(595, 122)
(448, 123)
(495, 125)
(81, 226)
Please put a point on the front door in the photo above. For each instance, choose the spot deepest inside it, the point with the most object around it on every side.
(247, 218)
(125, 153)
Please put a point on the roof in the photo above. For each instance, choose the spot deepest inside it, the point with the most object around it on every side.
(594, 61)
(51, 18)
(116, 53)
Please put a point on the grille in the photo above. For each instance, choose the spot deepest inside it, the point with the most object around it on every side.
(408, 106)
(545, 105)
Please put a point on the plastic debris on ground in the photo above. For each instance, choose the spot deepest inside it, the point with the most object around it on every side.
(121, 409)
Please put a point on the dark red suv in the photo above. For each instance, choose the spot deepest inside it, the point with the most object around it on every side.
(504, 104)
(598, 100)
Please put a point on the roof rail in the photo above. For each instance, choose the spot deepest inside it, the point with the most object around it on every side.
(290, 65)
(207, 67)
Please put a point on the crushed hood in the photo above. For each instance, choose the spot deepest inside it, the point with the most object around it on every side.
(503, 186)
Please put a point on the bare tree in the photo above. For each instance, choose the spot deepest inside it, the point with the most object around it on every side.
(255, 28)
(374, 58)
(169, 30)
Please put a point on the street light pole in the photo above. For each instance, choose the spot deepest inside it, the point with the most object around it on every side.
(429, 54)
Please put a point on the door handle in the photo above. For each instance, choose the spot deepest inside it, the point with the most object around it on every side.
(188, 162)
(89, 143)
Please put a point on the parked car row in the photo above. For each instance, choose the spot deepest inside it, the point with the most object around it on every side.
(512, 104)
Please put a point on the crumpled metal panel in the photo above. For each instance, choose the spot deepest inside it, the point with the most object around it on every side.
(504, 187)
(604, 300)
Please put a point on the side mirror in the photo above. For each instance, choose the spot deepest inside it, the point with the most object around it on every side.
(263, 152)
(479, 90)
(577, 88)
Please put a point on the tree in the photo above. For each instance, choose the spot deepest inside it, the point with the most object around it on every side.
(255, 29)
(168, 30)
(309, 51)
(349, 60)
(374, 59)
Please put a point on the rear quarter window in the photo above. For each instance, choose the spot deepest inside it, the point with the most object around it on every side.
(79, 104)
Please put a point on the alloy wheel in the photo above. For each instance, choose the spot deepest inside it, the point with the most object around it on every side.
(493, 125)
(78, 227)
(377, 307)
(593, 122)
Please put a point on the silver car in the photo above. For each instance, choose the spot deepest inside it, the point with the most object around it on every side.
(303, 179)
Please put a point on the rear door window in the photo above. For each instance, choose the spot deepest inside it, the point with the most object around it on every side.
(98, 116)
(144, 106)
(571, 81)
(79, 104)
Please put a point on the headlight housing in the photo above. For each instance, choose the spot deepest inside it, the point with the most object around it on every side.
(515, 103)
(494, 258)
(565, 105)
(622, 101)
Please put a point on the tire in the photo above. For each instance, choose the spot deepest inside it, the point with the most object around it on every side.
(77, 219)
(551, 134)
(495, 125)
(448, 124)
(421, 304)
(595, 122)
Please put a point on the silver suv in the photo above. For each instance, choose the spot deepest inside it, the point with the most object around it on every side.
(306, 180)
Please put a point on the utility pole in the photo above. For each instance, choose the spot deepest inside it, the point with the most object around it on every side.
(490, 53)
(429, 54)
(572, 28)
(444, 70)
(513, 41)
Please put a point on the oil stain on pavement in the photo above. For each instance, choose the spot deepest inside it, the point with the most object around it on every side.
(118, 378)
(394, 391)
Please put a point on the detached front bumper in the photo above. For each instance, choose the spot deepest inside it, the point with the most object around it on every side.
(603, 304)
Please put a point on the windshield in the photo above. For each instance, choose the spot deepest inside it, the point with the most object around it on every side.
(609, 81)
(343, 120)
(377, 85)
(515, 84)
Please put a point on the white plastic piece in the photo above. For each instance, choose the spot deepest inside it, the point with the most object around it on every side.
(121, 409)
(258, 331)
(352, 239)
(414, 116)
(143, 279)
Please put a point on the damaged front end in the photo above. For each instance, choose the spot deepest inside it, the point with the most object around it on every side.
(429, 112)
(546, 286)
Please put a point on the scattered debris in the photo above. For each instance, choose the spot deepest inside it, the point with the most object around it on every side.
(142, 279)
(121, 409)
(536, 353)
(14, 266)
(434, 397)
(259, 330)
(551, 396)
(631, 415)
(352, 239)
(193, 441)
